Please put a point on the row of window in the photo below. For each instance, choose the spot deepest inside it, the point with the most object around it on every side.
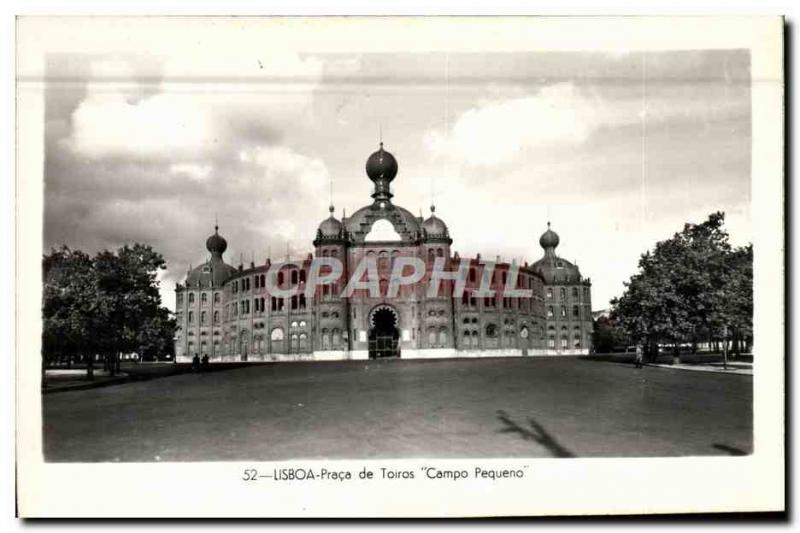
(490, 302)
(563, 293)
(191, 300)
(260, 280)
(564, 344)
(562, 311)
(203, 317)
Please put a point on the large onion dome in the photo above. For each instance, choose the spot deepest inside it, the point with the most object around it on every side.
(381, 165)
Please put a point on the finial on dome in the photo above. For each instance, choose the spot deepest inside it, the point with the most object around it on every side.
(549, 239)
(330, 209)
(433, 208)
(381, 168)
(216, 244)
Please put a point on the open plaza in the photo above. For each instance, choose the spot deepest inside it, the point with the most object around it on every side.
(493, 407)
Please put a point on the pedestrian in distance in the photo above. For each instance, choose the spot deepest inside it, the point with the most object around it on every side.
(205, 362)
(639, 356)
(195, 363)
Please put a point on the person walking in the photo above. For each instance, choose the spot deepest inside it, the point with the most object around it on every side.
(639, 356)
(195, 363)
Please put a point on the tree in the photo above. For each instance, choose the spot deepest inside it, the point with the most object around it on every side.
(156, 335)
(607, 336)
(64, 304)
(687, 287)
(105, 305)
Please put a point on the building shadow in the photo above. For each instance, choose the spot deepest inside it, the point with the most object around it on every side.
(535, 432)
(730, 450)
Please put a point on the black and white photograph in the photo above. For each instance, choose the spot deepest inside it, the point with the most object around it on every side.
(336, 256)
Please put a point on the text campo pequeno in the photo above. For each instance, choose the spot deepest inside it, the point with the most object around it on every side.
(425, 472)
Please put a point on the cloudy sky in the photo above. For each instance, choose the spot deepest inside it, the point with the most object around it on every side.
(618, 150)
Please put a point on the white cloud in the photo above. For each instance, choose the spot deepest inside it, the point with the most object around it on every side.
(197, 108)
(110, 125)
(193, 170)
(497, 130)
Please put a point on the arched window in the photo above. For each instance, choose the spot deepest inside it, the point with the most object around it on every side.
(294, 302)
(432, 337)
(465, 298)
(326, 340)
(216, 317)
(439, 252)
(276, 337)
(576, 313)
(273, 303)
(472, 275)
(549, 311)
(443, 337)
(191, 297)
(337, 338)
(383, 260)
(280, 278)
(562, 293)
(303, 343)
(474, 339)
(334, 253)
(431, 255)
(295, 343)
(302, 276)
(563, 311)
(294, 277)
(574, 292)
(491, 330)
(302, 301)
(577, 341)
(550, 294)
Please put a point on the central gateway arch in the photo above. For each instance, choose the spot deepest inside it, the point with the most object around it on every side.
(384, 332)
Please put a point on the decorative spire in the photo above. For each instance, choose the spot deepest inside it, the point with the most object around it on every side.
(381, 168)
(330, 209)
(549, 240)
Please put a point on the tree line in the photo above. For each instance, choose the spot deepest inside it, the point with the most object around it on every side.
(97, 308)
(692, 288)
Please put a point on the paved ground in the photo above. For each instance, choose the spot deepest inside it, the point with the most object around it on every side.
(532, 407)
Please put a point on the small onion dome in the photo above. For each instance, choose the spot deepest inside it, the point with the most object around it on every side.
(216, 244)
(381, 165)
(330, 227)
(434, 225)
(549, 238)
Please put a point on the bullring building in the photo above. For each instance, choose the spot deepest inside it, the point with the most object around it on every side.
(228, 314)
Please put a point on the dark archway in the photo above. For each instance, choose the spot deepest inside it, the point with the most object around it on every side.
(384, 336)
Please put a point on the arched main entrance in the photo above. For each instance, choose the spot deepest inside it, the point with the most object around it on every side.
(384, 335)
